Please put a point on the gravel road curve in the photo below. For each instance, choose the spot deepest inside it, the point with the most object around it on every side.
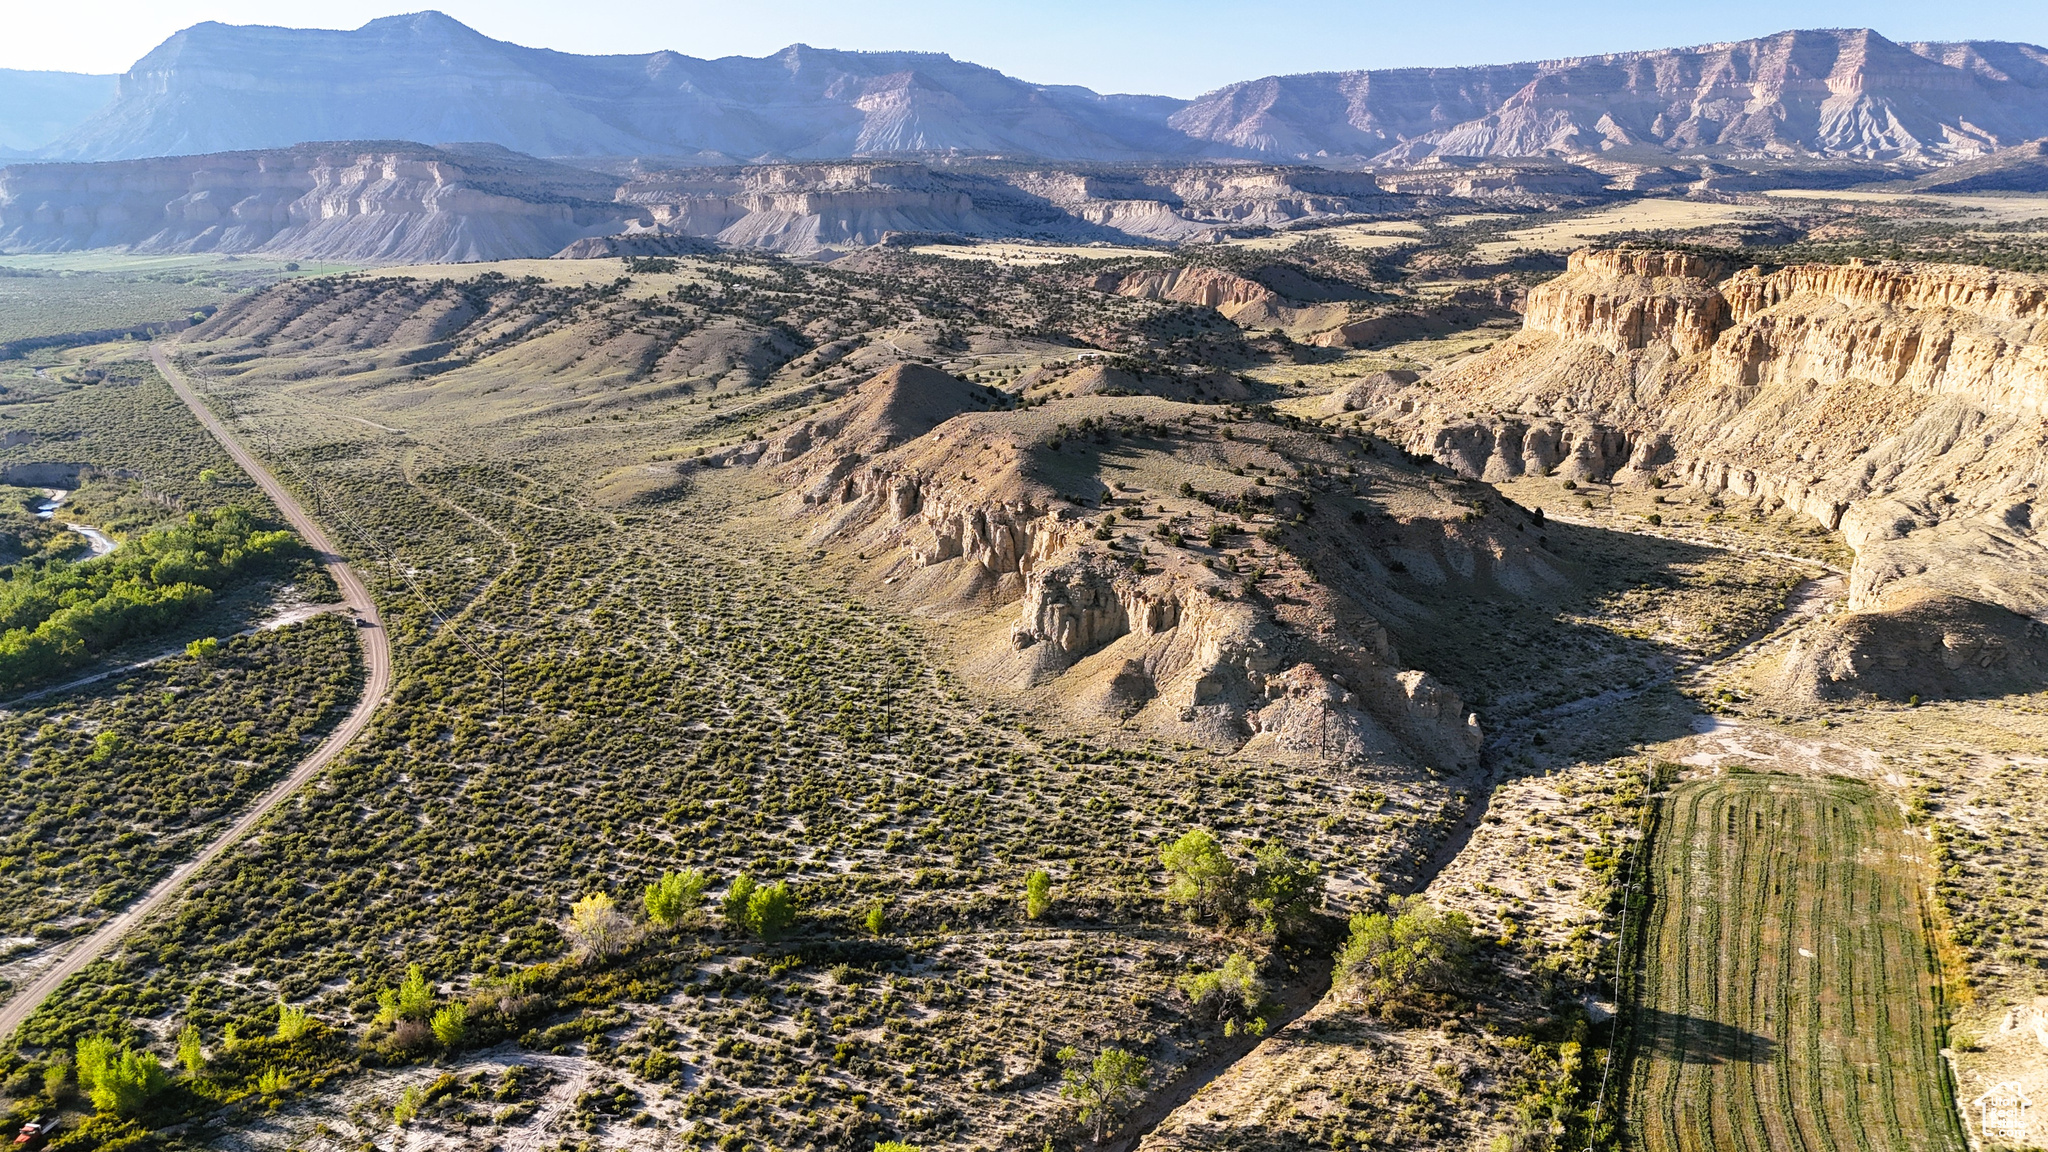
(376, 656)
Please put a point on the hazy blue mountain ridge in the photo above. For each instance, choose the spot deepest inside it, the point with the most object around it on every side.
(38, 107)
(215, 87)
(1831, 94)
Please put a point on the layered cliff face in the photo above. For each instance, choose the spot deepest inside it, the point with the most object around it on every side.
(1626, 300)
(805, 208)
(360, 202)
(400, 202)
(1813, 95)
(964, 508)
(1203, 203)
(1508, 180)
(1232, 296)
(802, 208)
(1827, 93)
(1902, 405)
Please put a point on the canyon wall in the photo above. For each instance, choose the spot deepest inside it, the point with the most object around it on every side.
(1826, 95)
(397, 202)
(1902, 405)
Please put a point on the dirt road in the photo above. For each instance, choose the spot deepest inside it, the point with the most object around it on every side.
(376, 658)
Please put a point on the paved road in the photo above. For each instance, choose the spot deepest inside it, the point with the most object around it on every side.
(376, 655)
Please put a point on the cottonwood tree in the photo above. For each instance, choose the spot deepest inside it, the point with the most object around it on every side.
(1413, 947)
(120, 1081)
(411, 1000)
(292, 1023)
(1202, 872)
(771, 910)
(451, 1025)
(1233, 992)
(597, 928)
(733, 908)
(191, 1050)
(1105, 1087)
(677, 899)
(1284, 890)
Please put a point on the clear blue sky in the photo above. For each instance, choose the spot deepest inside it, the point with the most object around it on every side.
(1175, 47)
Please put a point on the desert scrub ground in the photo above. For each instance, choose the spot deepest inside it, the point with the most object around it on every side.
(595, 691)
(100, 422)
(113, 783)
(1514, 1056)
(677, 694)
(51, 295)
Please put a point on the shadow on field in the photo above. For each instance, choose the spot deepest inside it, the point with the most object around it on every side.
(1693, 1040)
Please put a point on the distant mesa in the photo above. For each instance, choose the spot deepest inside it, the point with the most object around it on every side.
(216, 87)
(38, 107)
(2021, 168)
(392, 202)
(810, 150)
(401, 202)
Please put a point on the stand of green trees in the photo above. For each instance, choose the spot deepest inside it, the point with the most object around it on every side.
(59, 616)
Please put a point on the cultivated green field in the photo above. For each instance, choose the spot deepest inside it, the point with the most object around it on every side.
(1788, 999)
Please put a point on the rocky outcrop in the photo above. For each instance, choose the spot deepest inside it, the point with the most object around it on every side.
(1232, 296)
(1921, 644)
(1502, 448)
(805, 208)
(1369, 392)
(1509, 181)
(1902, 405)
(368, 202)
(943, 496)
(1624, 300)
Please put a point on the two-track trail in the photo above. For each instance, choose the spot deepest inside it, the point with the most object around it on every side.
(376, 659)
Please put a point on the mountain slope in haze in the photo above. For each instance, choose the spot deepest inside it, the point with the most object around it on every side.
(215, 87)
(1829, 93)
(38, 107)
(374, 201)
(2021, 168)
(1795, 96)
